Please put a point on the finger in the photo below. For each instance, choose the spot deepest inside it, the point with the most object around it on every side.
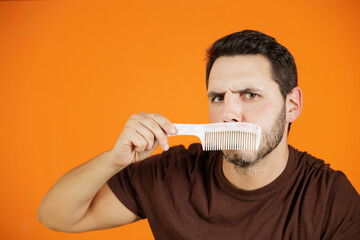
(134, 128)
(138, 142)
(163, 122)
(147, 135)
(159, 133)
(156, 144)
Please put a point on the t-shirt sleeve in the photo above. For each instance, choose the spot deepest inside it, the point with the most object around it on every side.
(138, 185)
(121, 186)
(343, 211)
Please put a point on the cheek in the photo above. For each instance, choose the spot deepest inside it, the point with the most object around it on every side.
(263, 115)
(214, 114)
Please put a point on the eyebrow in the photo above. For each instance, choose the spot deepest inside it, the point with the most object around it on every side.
(212, 94)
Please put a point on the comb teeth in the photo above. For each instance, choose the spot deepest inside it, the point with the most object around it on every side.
(230, 140)
(223, 136)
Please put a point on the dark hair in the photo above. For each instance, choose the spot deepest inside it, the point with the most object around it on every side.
(254, 42)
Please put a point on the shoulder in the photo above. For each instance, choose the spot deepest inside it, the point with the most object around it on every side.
(319, 172)
(330, 190)
(313, 167)
(323, 182)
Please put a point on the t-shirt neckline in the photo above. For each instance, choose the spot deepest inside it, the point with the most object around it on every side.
(257, 193)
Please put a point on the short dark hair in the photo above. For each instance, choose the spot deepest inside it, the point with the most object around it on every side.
(253, 42)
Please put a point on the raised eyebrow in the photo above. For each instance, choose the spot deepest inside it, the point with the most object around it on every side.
(214, 94)
(249, 90)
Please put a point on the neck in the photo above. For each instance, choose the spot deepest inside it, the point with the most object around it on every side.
(260, 174)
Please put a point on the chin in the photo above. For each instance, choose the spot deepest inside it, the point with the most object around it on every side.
(242, 158)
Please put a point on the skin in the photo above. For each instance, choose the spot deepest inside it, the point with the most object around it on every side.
(82, 201)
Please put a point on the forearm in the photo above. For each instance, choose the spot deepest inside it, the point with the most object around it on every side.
(69, 199)
(80, 200)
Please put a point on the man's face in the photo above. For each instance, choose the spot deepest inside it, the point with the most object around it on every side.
(241, 89)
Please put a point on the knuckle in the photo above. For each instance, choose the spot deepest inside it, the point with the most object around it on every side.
(134, 116)
(142, 145)
(157, 116)
(130, 124)
(149, 146)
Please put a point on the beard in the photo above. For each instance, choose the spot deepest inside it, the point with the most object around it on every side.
(269, 141)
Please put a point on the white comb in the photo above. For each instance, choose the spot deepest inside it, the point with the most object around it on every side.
(223, 136)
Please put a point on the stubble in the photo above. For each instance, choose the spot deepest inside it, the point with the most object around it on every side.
(269, 141)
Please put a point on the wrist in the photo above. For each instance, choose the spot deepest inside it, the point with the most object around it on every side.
(111, 159)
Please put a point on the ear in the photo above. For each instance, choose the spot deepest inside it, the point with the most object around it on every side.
(294, 103)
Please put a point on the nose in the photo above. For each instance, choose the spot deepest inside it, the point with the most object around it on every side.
(232, 111)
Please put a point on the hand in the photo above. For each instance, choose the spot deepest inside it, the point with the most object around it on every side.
(141, 135)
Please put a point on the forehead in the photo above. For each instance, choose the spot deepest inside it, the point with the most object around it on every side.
(241, 71)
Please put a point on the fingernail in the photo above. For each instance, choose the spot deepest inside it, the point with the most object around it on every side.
(166, 147)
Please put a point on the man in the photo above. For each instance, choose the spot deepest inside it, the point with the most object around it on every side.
(275, 192)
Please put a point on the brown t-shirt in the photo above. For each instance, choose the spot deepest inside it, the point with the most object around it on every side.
(185, 195)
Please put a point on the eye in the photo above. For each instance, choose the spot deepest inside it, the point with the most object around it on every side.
(251, 95)
(218, 98)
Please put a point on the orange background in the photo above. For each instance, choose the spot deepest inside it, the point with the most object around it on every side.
(72, 72)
